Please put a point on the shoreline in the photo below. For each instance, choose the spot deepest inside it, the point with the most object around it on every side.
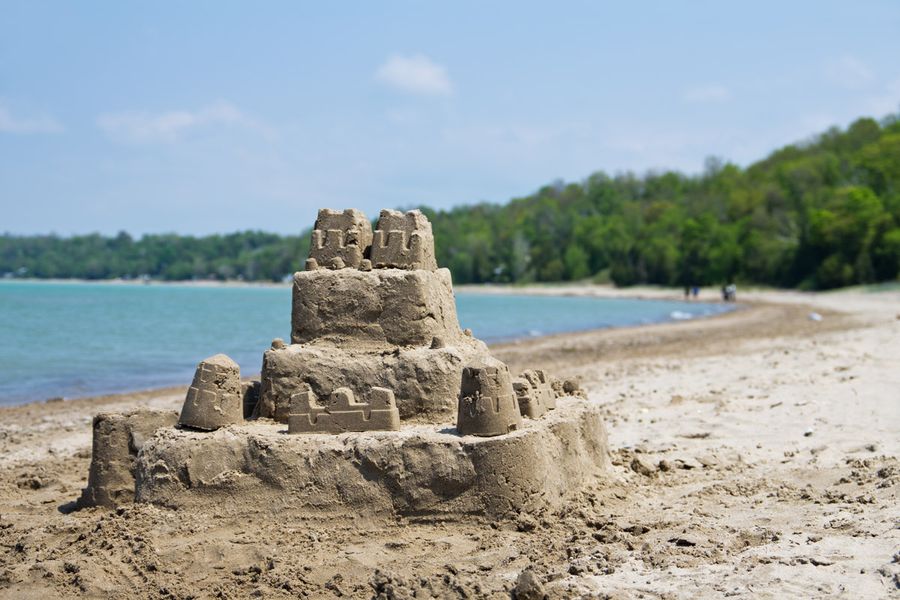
(569, 290)
(500, 345)
(564, 289)
(497, 342)
(748, 300)
(530, 352)
(576, 288)
(552, 288)
(752, 301)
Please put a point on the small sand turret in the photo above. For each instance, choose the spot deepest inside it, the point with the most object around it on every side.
(487, 404)
(118, 438)
(215, 398)
(534, 393)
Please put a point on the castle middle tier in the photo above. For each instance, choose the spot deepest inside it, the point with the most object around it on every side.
(392, 328)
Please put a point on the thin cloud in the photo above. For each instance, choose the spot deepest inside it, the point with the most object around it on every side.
(171, 126)
(10, 123)
(416, 74)
(849, 72)
(886, 101)
(704, 94)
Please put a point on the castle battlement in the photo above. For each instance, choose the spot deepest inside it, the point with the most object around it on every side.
(341, 412)
(339, 239)
(403, 241)
(534, 393)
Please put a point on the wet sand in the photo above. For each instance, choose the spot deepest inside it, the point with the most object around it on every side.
(755, 455)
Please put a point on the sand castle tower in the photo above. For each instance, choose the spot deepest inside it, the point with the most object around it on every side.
(487, 404)
(371, 310)
(215, 398)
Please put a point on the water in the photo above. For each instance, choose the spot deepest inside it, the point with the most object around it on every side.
(82, 339)
(500, 318)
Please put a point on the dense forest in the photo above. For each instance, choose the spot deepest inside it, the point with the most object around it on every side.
(821, 214)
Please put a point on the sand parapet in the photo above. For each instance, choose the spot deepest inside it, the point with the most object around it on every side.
(343, 413)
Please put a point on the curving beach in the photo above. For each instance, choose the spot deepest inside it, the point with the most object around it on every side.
(755, 454)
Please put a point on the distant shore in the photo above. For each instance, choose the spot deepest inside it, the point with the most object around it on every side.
(581, 289)
(138, 282)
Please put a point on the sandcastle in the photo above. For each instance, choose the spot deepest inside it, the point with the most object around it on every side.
(380, 403)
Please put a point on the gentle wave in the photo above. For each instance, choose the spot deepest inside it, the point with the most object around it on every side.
(681, 316)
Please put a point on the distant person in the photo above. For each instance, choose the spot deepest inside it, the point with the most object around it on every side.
(695, 291)
(729, 292)
(732, 292)
(687, 293)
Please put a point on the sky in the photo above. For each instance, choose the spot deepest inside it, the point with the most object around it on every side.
(204, 117)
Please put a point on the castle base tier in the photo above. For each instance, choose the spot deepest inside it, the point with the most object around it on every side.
(420, 470)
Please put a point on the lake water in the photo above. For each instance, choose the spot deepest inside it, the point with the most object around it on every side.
(82, 339)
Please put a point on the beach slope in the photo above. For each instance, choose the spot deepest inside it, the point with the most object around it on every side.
(755, 455)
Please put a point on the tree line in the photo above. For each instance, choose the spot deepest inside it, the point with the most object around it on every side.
(820, 214)
(247, 255)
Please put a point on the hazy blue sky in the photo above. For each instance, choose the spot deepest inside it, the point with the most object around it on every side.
(199, 117)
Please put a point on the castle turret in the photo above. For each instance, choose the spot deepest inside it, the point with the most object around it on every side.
(534, 393)
(215, 398)
(403, 241)
(339, 239)
(487, 404)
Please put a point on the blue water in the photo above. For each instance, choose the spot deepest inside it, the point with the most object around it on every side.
(82, 339)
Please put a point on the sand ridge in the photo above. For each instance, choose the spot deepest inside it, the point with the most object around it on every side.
(755, 455)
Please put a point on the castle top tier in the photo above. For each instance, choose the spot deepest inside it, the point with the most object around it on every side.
(344, 239)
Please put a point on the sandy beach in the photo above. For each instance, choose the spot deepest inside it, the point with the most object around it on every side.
(755, 455)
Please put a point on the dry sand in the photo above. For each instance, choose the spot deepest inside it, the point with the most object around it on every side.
(756, 455)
